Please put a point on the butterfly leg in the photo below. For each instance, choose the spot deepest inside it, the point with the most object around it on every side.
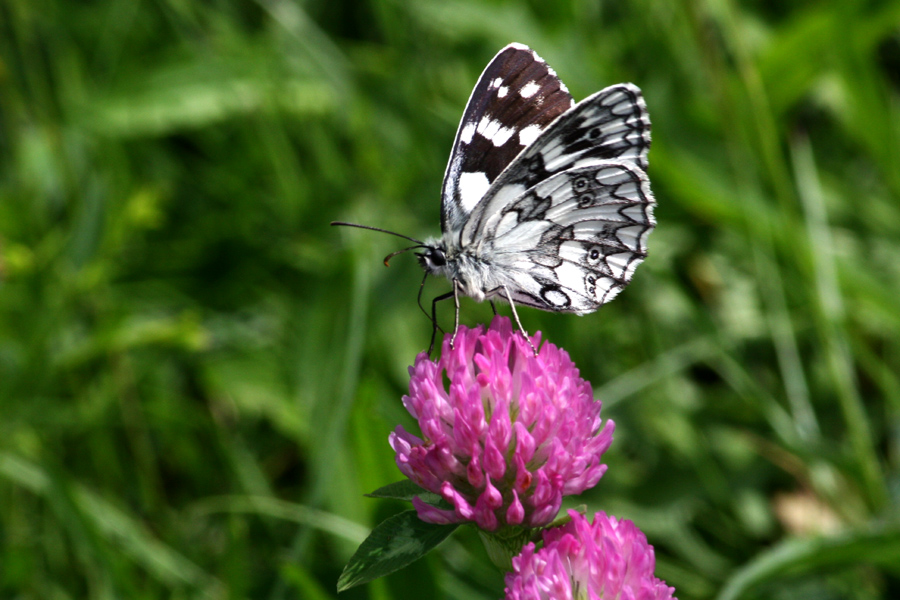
(493, 307)
(518, 322)
(456, 319)
(434, 322)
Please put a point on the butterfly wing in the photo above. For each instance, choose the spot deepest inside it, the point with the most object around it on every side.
(515, 98)
(611, 124)
(573, 241)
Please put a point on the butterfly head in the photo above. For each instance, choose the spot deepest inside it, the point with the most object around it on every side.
(433, 257)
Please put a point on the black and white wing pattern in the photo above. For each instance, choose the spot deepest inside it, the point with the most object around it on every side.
(611, 124)
(572, 242)
(545, 203)
(564, 225)
(515, 99)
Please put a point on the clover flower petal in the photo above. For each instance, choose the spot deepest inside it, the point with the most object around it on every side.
(608, 559)
(505, 433)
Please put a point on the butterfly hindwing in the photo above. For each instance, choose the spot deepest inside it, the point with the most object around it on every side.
(611, 124)
(517, 96)
(573, 241)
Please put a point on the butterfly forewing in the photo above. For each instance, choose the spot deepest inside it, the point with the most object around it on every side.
(515, 99)
(611, 124)
(573, 241)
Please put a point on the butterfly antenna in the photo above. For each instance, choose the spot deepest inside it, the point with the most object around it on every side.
(393, 254)
(345, 224)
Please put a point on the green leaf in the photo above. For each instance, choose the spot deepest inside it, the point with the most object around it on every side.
(392, 545)
(406, 490)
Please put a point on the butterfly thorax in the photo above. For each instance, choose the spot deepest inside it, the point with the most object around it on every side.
(472, 275)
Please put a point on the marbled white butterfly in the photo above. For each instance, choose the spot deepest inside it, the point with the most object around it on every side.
(545, 202)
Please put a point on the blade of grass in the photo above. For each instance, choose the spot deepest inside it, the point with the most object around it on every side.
(831, 324)
(759, 221)
(877, 544)
(266, 506)
(116, 527)
(333, 431)
(664, 365)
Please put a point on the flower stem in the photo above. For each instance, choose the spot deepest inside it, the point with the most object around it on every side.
(502, 545)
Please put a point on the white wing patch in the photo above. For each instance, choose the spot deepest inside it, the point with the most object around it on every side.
(467, 133)
(502, 136)
(494, 130)
(528, 134)
(529, 89)
(472, 187)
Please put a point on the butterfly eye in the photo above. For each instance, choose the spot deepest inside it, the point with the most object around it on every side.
(436, 255)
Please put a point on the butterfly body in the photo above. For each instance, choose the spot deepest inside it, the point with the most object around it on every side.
(474, 270)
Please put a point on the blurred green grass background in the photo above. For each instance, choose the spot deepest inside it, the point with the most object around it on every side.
(198, 375)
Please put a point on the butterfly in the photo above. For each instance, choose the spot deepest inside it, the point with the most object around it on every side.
(545, 203)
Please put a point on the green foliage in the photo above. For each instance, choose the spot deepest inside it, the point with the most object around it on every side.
(395, 543)
(407, 490)
(198, 375)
